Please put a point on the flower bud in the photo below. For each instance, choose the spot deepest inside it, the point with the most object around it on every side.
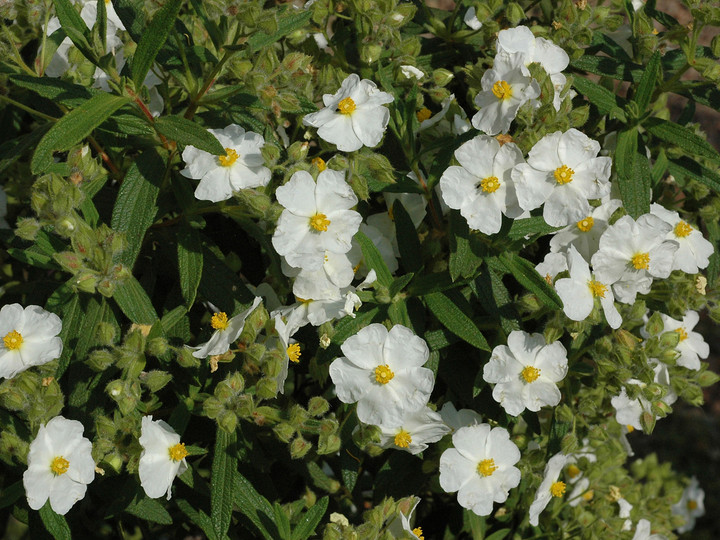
(227, 420)
(655, 324)
(158, 347)
(369, 54)
(155, 380)
(299, 447)
(328, 444)
(317, 406)
(100, 359)
(185, 358)
(514, 13)
(298, 151)
(266, 388)
(284, 431)
(212, 407)
(442, 77)
(244, 406)
(27, 228)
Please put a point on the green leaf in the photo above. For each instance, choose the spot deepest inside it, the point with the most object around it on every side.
(281, 521)
(132, 15)
(609, 67)
(256, 507)
(57, 90)
(190, 262)
(408, 241)
(134, 302)
(135, 207)
(198, 517)
(633, 172)
(350, 326)
(455, 320)
(221, 286)
(374, 260)
(605, 100)
(153, 39)
(54, 523)
(11, 494)
(647, 82)
(465, 253)
(66, 303)
(713, 269)
(224, 469)
(681, 137)
(84, 332)
(149, 510)
(187, 132)
(683, 168)
(12, 150)
(74, 27)
(521, 228)
(496, 301)
(499, 535)
(74, 127)
(524, 271)
(310, 520)
(288, 22)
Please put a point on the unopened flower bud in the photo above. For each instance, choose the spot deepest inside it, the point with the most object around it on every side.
(299, 447)
(284, 431)
(317, 406)
(227, 420)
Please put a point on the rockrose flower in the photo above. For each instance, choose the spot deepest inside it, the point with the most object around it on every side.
(162, 457)
(690, 506)
(550, 487)
(694, 250)
(417, 430)
(226, 332)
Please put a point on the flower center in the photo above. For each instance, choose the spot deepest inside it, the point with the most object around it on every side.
(490, 184)
(486, 467)
(230, 157)
(177, 452)
(630, 428)
(13, 340)
(403, 439)
(293, 352)
(586, 224)
(503, 138)
(417, 531)
(682, 333)
(423, 114)
(692, 505)
(557, 489)
(641, 261)
(530, 374)
(319, 222)
(588, 495)
(502, 90)
(563, 175)
(219, 321)
(597, 289)
(573, 471)
(59, 465)
(383, 374)
(682, 229)
(347, 106)
(319, 163)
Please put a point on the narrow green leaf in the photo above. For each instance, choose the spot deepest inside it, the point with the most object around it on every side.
(310, 520)
(609, 67)
(74, 127)
(198, 517)
(647, 82)
(221, 286)
(74, 27)
(496, 301)
(499, 535)
(455, 320)
(84, 335)
(288, 21)
(66, 303)
(132, 15)
(187, 132)
(605, 100)
(713, 269)
(524, 271)
(681, 137)
(134, 302)
(465, 253)
(255, 507)
(439, 339)
(633, 172)
(54, 523)
(153, 39)
(149, 510)
(135, 207)
(408, 241)
(659, 167)
(33, 257)
(521, 228)
(374, 260)
(57, 90)
(11, 494)
(101, 23)
(224, 469)
(190, 262)
(281, 521)
(350, 326)
(398, 314)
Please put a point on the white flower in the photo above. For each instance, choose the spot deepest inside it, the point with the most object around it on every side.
(578, 292)
(455, 419)
(563, 171)
(526, 372)
(552, 265)
(585, 234)
(690, 506)
(382, 372)
(624, 512)
(417, 429)
(226, 332)
(631, 253)
(628, 412)
(505, 88)
(29, 338)
(383, 241)
(480, 467)
(405, 509)
(471, 19)
(354, 116)
(162, 457)
(241, 167)
(642, 532)
(694, 250)
(550, 486)
(580, 492)
(691, 345)
(436, 118)
(60, 465)
(285, 331)
(412, 71)
(317, 218)
(335, 273)
(481, 187)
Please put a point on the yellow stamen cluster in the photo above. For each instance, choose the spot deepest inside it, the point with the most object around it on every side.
(347, 106)
(573, 470)
(13, 340)
(177, 452)
(293, 352)
(682, 229)
(692, 505)
(383, 374)
(403, 439)
(502, 90)
(486, 467)
(490, 184)
(682, 333)
(59, 465)
(319, 222)
(423, 114)
(586, 224)
(630, 428)
(530, 373)
(557, 489)
(588, 495)
(319, 163)
(417, 531)
(219, 321)
(641, 261)
(563, 175)
(230, 157)
(597, 289)
(504, 138)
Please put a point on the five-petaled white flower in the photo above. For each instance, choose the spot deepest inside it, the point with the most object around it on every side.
(690, 506)
(455, 419)
(60, 465)
(162, 457)
(480, 467)
(550, 486)
(226, 332)
(241, 167)
(694, 250)
(382, 371)
(29, 338)
(643, 532)
(505, 88)
(418, 428)
(526, 371)
(563, 171)
(552, 265)
(585, 234)
(317, 218)
(691, 345)
(481, 187)
(354, 116)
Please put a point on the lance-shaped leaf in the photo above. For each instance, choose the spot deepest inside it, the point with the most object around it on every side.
(153, 39)
(452, 317)
(524, 271)
(187, 132)
(633, 171)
